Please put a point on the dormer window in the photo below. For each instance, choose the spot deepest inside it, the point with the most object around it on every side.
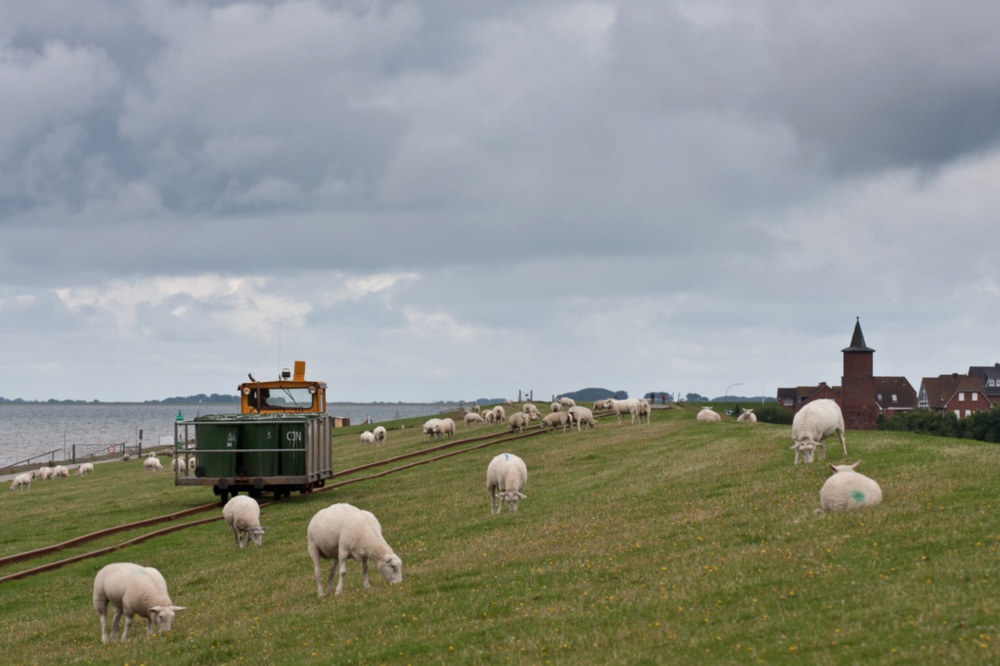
(894, 400)
(879, 396)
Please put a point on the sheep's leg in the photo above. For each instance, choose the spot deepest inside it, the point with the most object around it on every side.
(114, 623)
(103, 612)
(128, 625)
(343, 570)
(493, 500)
(317, 567)
(843, 444)
(364, 571)
(149, 625)
(236, 535)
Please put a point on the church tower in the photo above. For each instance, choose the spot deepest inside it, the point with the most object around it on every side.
(858, 384)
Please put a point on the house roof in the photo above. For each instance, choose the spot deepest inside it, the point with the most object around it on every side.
(886, 387)
(858, 340)
(985, 373)
(806, 391)
(786, 393)
(942, 388)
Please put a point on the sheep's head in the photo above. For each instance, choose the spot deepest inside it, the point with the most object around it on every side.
(164, 615)
(845, 468)
(511, 497)
(391, 568)
(257, 535)
(806, 448)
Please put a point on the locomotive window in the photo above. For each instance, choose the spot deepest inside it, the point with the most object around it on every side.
(281, 398)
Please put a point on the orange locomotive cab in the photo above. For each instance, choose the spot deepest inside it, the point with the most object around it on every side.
(288, 395)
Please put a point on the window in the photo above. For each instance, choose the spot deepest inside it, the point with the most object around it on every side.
(961, 396)
(989, 382)
(968, 411)
(878, 396)
(975, 397)
(788, 402)
(958, 413)
(894, 400)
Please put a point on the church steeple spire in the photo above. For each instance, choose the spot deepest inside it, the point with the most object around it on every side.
(858, 340)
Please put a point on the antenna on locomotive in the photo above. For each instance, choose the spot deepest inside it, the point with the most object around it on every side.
(279, 348)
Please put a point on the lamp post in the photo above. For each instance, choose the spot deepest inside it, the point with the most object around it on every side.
(726, 398)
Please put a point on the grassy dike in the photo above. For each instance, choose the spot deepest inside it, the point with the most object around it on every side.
(678, 542)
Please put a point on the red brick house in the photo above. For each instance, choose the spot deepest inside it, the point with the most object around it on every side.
(959, 394)
(894, 395)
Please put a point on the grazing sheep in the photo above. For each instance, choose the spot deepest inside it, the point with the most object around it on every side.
(242, 513)
(555, 407)
(555, 419)
(367, 438)
(529, 409)
(567, 402)
(499, 414)
(45, 473)
(645, 410)
(812, 424)
(519, 421)
(476, 408)
(847, 489)
(152, 465)
(508, 403)
(581, 416)
(152, 454)
(126, 458)
(178, 465)
(429, 428)
(343, 532)
(444, 427)
(132, 589)
(380, 434)
(473, 418)
(506, 475)
(706, 415)
(746, 416)
(21, 481)
(599, 404)
(489, 417)
(60, 472)
(622, 407)
(85, 468)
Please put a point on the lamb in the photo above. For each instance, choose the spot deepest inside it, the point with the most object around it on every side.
(126, 458)
(132, 589)
(471, 418)
(519, 421)
(555, 419)
(444, 427)
(380, 434)
(85, 468)
(499, 414)
(706, 415)
(847, 489)
(152, 465)
(429, 428)
(21, 481)
(567, 402)
(746, 416)
(555, 407)
(242, 513)
(45, 473)
(60, 472)
(813, 423)
(645, 410)
(622, 407)
(582, 417)
(506, 475)
(367, 438)
(178, 465)
(343, 532)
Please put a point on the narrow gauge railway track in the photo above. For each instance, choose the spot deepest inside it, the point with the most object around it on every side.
(477, 443)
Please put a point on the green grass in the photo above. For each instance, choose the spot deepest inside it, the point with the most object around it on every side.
(677, 543)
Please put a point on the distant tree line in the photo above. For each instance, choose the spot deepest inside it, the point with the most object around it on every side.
(983, 426)
(215, 398)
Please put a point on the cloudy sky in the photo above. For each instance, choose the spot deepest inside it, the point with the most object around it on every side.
(453, 200)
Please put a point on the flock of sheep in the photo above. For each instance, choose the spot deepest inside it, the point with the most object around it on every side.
(23, 481)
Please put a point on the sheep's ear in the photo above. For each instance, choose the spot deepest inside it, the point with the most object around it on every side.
(794, 446)
(263, 529)
(387, 558)
(177, 608)
(832, 467)
(522, 496)
(855, 465)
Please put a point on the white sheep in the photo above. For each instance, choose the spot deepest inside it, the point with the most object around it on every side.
(444, 427)
(85, 468)
(132, 590)
(380, 434)
(367, 438)
(581, 416)
(530, 409)
(178, 465)
(706, 415)
(506, 475)
(567, 402)
(507, 403)
(599, 404)
(746, 416)
(45, 473)
(847, 489)
(60, 472)
(489, 417)
(343, 532)
(152, 454)
(429, 428)
(812, 424)
(242, 514)
(555, 419)
(499, 414)
(622, 407)
(152, 465)
(21, 481)
(473, 418)
(555, 407)
(476, 408)
(126, 457)
(645, 410)
(519, 421)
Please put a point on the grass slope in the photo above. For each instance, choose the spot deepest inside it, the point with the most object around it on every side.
(677, 542)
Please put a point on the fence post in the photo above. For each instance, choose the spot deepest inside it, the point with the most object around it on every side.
(74, 453)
